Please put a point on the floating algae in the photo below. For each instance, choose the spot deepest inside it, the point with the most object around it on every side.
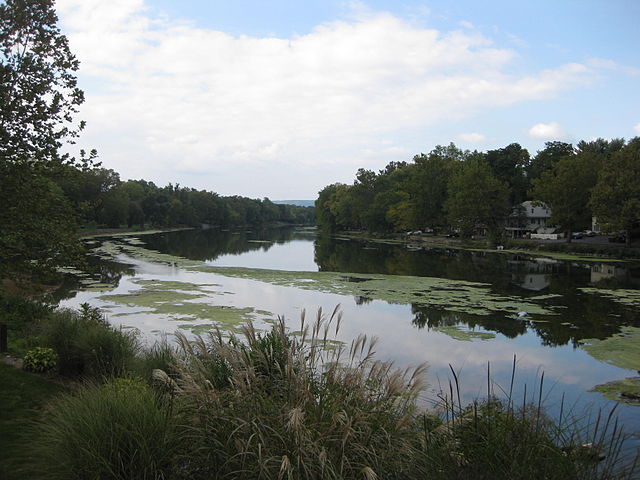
(626, 391)
(453, 295)
(458, 333)
(180, 301)
(621, 295)
(621, 350)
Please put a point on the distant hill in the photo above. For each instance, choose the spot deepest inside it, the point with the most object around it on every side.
(299, 203)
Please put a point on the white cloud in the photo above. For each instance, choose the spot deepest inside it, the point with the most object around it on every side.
(637, 128)
(472, 137)
(170, 95)
(548, 131)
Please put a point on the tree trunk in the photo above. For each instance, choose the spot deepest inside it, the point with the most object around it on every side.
(568, 234)
(3, 338)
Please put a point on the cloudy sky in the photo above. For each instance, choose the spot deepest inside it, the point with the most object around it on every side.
(280, 98)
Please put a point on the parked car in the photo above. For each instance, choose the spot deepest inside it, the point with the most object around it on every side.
(590, 233)
(577, 235)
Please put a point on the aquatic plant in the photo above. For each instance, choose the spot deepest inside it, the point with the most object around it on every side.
(503, 438)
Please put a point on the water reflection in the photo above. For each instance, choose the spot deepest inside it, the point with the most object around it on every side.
(583, 315)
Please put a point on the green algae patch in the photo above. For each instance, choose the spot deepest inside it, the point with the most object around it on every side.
(625, 391)
(183, 301)
(621, 350)
(621, 295)
(453, 295)
(458, 333)
(110, 249)
(199, 329)
(545, 297)
(165, 285)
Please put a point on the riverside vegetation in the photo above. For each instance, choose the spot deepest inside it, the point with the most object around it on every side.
(274, 405)
(282, 405)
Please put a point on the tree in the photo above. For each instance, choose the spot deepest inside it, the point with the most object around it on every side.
(616, 197)
(38, 98)
(508, 165)
(427, 187)
(566, 190)
(546, 158)
(477, 198)
(38, 87)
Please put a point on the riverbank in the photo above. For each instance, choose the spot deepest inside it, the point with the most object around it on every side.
(110, 232)
(583, 250)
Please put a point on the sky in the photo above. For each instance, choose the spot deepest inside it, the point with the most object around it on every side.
(281, 98)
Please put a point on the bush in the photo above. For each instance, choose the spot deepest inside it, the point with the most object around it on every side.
(40, 360)
(89, 347)
(119, 430)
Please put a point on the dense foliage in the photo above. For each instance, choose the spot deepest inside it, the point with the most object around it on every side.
(99, 197)
(475, 192)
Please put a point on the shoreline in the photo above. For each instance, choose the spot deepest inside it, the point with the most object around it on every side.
(600, 252)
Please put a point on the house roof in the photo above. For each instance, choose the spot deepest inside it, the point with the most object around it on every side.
(535, 211)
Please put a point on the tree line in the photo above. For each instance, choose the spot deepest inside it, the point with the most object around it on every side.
(99, 197)
(46, 194)
(453, 189)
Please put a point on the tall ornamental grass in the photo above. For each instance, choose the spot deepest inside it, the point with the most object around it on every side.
(295, 407)
(119, 430)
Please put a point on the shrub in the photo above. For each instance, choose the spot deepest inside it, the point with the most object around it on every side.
(119, 430)
(89, 347)
(40, 360)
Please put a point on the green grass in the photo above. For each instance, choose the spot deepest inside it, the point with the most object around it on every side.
(23, 396)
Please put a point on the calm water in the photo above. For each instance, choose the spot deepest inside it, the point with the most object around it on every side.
(407, 332)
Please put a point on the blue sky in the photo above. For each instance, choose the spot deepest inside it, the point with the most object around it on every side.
(281, 98)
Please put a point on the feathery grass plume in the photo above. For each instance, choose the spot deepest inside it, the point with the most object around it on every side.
(295, 406)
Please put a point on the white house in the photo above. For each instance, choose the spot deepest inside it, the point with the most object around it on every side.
(529, 218)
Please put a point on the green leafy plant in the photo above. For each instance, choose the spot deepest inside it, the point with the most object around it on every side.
(40, 360)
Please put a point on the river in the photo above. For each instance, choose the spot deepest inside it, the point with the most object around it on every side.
(470, 312)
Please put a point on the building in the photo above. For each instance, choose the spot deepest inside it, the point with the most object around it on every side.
(529, 218)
